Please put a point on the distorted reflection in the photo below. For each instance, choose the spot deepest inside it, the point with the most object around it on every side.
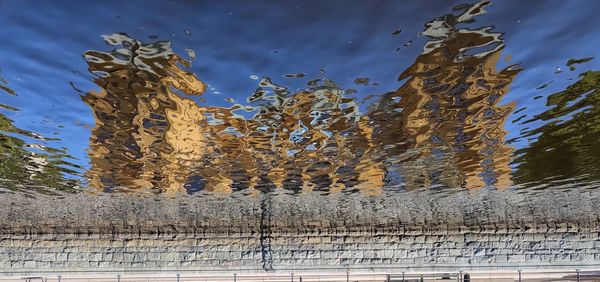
(26, 163)
(148, 136)
(567, 144)
(444, 125)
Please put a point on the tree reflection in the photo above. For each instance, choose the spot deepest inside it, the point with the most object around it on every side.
(443, 126)
(566, 145)
(26, 163)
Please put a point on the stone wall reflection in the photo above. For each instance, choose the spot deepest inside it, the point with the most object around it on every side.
(443, 127)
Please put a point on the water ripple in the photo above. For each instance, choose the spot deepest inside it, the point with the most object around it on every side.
(443, 125)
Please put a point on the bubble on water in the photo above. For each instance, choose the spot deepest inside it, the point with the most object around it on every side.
(191, 53)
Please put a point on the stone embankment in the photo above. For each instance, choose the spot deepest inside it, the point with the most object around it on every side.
(282, 232)
(303, 249)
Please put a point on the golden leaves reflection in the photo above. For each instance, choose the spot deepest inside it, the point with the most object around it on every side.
(443, 127)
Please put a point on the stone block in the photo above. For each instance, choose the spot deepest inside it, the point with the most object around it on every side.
(30, 264)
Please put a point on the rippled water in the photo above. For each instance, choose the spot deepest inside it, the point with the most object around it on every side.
(310, 96)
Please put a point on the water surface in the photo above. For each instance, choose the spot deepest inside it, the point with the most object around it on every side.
(302, 97)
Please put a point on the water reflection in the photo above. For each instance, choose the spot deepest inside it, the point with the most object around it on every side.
(444, 126)
(26, 163)
(566, 146)
(148, 136)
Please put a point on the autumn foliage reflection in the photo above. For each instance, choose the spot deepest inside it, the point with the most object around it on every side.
(444, 126)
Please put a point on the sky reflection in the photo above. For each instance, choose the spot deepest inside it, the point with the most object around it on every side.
(389, 133)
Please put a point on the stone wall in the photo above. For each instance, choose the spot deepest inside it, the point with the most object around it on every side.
(285, 232)
(303, 249)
